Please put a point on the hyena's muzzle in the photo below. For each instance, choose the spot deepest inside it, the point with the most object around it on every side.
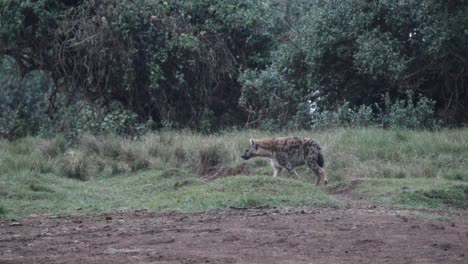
(251, 151)
(247, 155)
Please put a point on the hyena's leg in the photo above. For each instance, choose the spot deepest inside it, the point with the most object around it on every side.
(323, 175)
(297, 174)
(319, 172)
(288, 166)
(276, 168)
(276, 171)
(282, 161)
(286, 163)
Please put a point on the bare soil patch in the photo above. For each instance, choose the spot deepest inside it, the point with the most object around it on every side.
(261, 235)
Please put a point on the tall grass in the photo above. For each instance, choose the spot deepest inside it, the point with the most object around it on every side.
(349, 153)
(376, 153)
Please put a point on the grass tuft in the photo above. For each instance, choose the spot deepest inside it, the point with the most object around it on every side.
(172, 173)
(3, 210)
(75, 166)
(36, 187)
(133, 156)
(251, 200)
(53, 147)
(210, 156)
(89, 145)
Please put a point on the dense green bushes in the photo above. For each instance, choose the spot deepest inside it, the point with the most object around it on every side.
(359, 51)
(175, 62)
(23, 104)
(405, 113)
(129, 66)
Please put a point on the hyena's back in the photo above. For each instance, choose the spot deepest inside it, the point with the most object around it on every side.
(289, 152)
(304, 148)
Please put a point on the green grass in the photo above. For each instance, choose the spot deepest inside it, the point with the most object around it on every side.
(2, 210)
(158, 190)
(377, 153)
(416, 193)
(243, 191)
(400, 168)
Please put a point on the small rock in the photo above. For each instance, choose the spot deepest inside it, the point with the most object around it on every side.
(108, 218)
(16, 224)
(55, 216)
(403, 218)
(438, 226)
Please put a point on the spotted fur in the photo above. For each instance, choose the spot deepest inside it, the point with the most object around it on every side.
(288, 153)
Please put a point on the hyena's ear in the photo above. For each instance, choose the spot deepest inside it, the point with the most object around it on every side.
(252, 142)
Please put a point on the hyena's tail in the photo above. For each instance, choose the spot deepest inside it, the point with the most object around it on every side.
(320, 159)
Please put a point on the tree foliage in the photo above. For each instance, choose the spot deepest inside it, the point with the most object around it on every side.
(358, 50)
(176, 61)
(212, 64)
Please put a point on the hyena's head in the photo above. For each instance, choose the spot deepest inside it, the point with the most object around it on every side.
(251, 151)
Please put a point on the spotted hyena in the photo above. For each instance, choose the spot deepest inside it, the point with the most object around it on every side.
(288, 153)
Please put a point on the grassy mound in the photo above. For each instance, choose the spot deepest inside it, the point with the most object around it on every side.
(168, 189)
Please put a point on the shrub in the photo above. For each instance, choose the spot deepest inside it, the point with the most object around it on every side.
(271, 101)
(344, 116)
(22, 101)
(404, 113)
(80, 117)
(408, 113)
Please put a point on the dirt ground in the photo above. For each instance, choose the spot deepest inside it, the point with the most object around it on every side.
(260, 235)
